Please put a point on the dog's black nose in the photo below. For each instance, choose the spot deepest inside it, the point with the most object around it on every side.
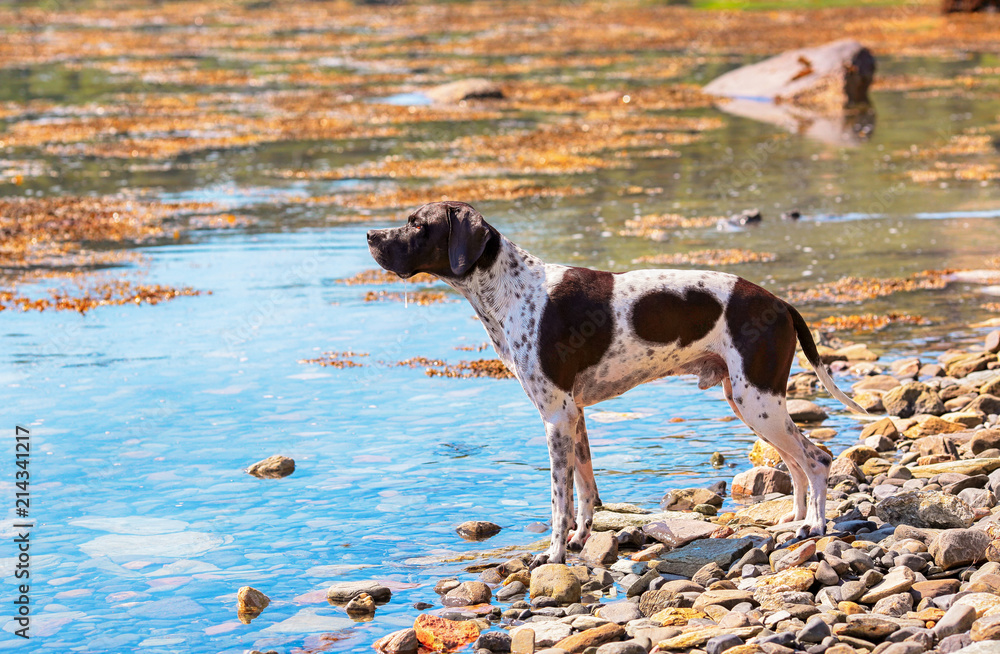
(372, 236)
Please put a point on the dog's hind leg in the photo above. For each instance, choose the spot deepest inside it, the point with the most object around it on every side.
(560, 430)
(809, 466)
(800, 482)
(586, 486)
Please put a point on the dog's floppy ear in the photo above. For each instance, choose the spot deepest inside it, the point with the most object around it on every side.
(468, 234)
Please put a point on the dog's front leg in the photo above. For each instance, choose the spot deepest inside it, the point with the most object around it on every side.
(560, 428)
(586, 486)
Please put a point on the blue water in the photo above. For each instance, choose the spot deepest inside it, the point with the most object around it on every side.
(143, 419)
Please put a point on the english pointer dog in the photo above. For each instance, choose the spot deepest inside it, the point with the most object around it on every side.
(574, 337)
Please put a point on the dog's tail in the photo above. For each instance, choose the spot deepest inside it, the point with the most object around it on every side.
(812, 354)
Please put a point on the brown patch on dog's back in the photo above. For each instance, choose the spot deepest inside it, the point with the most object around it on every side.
(763, 333)
(667, 317)
(577, 325)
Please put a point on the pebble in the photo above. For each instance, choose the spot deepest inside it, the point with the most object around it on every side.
(361, 608)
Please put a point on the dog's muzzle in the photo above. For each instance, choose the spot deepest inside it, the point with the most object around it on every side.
(377, 246)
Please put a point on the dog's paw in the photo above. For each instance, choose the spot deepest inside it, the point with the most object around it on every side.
(810, 531)
(575, 545)
(539, 559)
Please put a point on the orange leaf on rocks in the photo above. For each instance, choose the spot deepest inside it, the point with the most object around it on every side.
(443, 635)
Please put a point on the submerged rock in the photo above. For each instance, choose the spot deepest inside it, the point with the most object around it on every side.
(273, 467)
(250, 602)
(344, 592)
(477, 530)
(361, 608)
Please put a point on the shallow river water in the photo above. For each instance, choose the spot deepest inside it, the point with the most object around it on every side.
(143, 419)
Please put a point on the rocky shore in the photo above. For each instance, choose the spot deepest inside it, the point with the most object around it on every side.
(910, 562)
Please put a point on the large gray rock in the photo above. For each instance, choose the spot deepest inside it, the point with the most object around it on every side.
(925, 509)
(679, 532)
(615, 521)
(913, 398)
(686, 561)
(830, 77)
(957, 547)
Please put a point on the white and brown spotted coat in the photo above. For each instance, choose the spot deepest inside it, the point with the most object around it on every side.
(574, 337)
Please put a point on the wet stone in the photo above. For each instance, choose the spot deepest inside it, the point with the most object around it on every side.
(495, 641)
(476, 530)
(403, 641)
(273, 467)
(361, 608)
(342, 593)
(250, 602)
(511, 591)
(468, 593)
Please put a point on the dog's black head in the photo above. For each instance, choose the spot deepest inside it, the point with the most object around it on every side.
(442, 238)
